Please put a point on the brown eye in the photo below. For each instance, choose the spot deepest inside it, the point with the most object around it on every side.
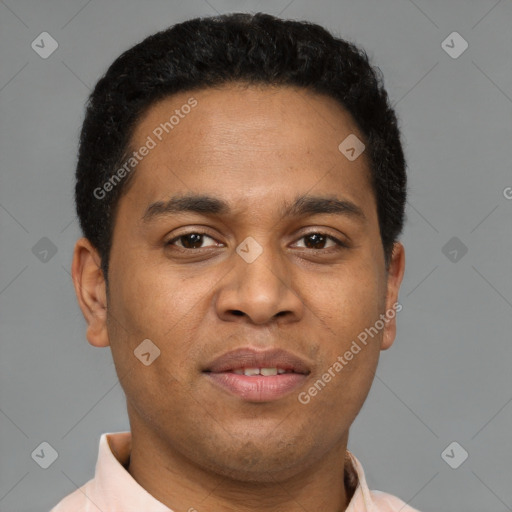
(194, 240)
(190, 240)
(318, 241)
(315, 241)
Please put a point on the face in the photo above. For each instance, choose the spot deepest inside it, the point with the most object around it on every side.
(246, 267)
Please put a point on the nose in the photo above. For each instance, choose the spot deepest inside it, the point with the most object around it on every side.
(259, 291)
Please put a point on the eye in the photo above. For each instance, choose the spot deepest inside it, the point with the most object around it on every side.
(191, 240)
(314, 240)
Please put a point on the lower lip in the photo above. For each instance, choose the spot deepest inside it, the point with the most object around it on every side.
(258, 388)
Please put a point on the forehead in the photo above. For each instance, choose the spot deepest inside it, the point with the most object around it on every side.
(248, 144)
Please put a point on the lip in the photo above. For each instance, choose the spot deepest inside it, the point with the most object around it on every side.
(258, 388)
(252, 358)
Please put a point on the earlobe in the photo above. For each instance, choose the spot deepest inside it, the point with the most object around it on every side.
(90, 289)
(393, 307)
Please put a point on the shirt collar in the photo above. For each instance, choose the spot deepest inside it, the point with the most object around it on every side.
(113, 486)
(115, 490)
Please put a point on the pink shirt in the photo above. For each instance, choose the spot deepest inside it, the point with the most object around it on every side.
(114, 490)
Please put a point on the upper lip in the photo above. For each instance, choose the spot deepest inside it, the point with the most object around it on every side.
(252, 358)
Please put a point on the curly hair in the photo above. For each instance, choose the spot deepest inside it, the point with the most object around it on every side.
(239, 47)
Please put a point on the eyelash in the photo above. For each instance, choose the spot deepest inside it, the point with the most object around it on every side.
(339, 243)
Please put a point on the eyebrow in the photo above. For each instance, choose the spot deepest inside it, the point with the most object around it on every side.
(302, 206)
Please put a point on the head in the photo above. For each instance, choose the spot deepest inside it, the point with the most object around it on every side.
(216, 133)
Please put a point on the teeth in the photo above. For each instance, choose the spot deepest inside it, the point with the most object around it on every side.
(259, 371)
(251, 371)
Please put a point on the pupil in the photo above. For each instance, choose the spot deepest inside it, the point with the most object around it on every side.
(317, 237)
(193, 240)
(196, 240)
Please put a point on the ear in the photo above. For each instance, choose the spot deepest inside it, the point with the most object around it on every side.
(395, 274)
(90, 289)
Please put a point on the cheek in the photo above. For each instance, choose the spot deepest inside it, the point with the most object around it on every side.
(348, 306)
(149, 300)
(164, 307)
(350, 300)
(149, 306)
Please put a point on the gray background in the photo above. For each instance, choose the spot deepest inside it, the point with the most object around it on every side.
(447, 378)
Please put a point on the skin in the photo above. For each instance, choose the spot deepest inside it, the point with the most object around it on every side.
(194, 445)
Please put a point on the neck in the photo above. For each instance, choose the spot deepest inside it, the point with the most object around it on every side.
(181, 484)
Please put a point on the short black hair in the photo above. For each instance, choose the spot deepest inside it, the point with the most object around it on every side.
(245, 48)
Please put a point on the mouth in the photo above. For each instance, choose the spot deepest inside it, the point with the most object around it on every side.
(266, 372)
(257, 376)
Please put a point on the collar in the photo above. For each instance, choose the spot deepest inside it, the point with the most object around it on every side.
(115, 490)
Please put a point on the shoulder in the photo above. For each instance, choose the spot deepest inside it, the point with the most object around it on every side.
(74, 502)
(366, 500)
(385, 502)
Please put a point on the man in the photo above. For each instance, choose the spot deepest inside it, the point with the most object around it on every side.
(241, 188)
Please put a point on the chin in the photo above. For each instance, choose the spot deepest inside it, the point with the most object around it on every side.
(257, 463)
